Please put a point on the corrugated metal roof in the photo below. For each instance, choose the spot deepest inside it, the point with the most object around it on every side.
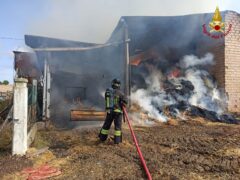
(46, 42)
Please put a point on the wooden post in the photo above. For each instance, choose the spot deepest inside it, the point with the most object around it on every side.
(48, 92)
(44, 90)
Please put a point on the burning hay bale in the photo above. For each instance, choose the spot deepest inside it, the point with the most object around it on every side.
(183, 90)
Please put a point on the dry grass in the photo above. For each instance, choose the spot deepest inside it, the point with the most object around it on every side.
(3, 104)
(6, 138)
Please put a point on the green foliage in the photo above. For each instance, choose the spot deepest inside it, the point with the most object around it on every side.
(5, 82)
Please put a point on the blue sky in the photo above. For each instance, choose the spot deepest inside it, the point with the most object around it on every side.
(15, 16)
(85, 20)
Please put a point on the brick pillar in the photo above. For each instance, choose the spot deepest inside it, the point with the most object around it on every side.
(232, 61)
(218, 70)
(20, 113)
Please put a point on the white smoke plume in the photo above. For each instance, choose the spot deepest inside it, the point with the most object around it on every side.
(94, 20)
(205, 95)
(191, 61)
(152, 98)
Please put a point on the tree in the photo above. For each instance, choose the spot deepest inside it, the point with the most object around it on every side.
(5, 82)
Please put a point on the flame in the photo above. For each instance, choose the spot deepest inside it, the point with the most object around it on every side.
(149, 54)
(174, 73)
(136, 61)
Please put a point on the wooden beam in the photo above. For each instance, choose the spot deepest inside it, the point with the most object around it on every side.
(81, 115)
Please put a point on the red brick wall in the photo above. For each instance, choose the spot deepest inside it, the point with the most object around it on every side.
(232, 61)
(217, 48)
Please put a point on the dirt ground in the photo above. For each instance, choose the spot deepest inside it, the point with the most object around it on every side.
(193, 149)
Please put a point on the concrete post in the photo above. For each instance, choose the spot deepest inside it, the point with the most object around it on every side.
(20, 113)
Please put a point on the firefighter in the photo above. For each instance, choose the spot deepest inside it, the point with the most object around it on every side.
(114, 100)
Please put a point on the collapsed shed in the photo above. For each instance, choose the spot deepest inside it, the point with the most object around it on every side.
(80, 72)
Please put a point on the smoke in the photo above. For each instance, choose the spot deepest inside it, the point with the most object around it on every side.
(191, 61)
(146, 100)
(194, 86)
(80, 82)
(206, 95)
(153, 98)
(94, 21)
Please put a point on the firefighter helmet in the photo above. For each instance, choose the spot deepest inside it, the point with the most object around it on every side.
(116, 83)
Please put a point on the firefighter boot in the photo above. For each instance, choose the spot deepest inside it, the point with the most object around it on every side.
(103, 134)
(117, 137)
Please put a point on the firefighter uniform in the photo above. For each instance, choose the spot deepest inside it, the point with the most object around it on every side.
(114, 99)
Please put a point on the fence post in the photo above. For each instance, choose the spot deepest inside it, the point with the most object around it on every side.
(20, 113)
(44, 90)
(48, 92)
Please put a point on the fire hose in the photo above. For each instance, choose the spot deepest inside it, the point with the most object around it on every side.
(137, 146)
